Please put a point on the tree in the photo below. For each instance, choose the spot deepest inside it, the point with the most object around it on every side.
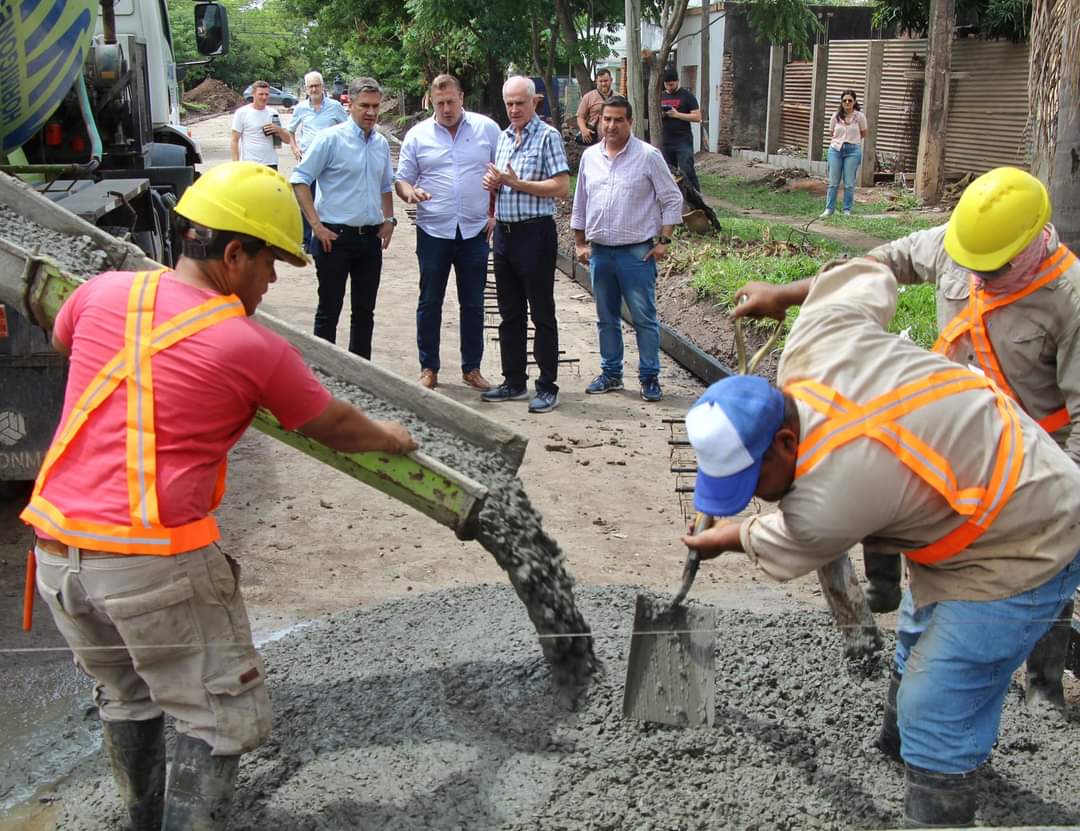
(1053, 84)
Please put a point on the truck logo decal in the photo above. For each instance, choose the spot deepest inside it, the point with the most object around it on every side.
(12, 428)
(42, 45)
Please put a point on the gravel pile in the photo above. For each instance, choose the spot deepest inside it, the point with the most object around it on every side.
(512, 531)
(436, 713)
(77, 254)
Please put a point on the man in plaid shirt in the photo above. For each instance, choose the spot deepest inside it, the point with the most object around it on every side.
(529, 174)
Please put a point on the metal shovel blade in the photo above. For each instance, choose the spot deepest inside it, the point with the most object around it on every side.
(671, 673)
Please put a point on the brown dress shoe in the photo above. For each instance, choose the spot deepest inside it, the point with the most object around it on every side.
(475, 380)
(429, 378)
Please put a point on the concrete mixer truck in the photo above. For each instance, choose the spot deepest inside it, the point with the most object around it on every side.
(90, 116)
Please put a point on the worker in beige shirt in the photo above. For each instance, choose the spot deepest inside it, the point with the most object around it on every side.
(590, 106)
(874, 437)
(1008, 305)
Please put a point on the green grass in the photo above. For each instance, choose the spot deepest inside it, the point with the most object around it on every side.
(751, 249)
(802, 205)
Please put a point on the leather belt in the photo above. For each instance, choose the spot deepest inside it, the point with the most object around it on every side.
(361, 230)
(508, 227)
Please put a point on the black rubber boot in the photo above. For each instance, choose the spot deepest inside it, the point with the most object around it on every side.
(136, 751)
(939, 800)
(888, 739)
(200, 787)
(883, 576)
(1046, 663)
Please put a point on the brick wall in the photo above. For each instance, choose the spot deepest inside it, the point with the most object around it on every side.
(727, 105)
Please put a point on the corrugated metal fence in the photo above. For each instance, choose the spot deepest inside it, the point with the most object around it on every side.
(795, 123)
(988, 102)
(988, 106)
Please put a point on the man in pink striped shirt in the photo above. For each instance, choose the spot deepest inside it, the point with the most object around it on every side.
(625, 207)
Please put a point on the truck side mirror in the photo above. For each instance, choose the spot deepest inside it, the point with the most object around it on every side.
(211, 29)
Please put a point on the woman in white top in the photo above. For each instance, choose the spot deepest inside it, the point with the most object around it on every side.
(849, 128)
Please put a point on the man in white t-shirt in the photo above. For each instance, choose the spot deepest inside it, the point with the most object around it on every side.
(254, 128)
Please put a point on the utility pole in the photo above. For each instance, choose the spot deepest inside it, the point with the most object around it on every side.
(703, 76)
(930, 169)
(633, 65)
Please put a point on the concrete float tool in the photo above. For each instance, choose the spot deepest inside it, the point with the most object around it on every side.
(670, 674)
(36, 286)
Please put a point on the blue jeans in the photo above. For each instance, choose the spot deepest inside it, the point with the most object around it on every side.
(957, 659)
(845, 162)
(469, 259)
(621, 273)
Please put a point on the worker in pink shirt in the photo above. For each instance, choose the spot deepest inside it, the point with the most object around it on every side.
(167, 371)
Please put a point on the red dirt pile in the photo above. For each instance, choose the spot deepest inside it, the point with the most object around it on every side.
(213, 96)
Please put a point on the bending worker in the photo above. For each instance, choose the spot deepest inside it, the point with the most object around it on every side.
(1008, 305)
(873, 437)
(167, 371)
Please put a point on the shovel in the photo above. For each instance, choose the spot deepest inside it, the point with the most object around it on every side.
(671, 672)
(670, 675)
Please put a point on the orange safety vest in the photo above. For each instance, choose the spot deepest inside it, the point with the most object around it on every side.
(132, 366)
(878, 419)
(972, 319)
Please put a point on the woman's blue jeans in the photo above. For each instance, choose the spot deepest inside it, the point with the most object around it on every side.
(618, 273)
(843, 162)
(957, 658)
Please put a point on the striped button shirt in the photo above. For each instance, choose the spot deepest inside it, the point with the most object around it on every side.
(625, 198)
(539, 156)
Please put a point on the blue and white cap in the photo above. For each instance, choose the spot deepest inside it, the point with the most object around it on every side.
(730, 427)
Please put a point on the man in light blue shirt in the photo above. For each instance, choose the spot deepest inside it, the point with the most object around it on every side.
(309, 118)
(440, 170)
(352, 218)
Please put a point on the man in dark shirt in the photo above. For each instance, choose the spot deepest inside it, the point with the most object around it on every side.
(680, 109)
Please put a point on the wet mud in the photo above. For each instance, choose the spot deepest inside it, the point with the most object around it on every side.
(436, 713)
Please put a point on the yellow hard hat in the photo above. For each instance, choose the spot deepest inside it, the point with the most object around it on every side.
(248, 198)
(998, 216)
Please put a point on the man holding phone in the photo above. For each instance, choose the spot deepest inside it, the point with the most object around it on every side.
(680, 109)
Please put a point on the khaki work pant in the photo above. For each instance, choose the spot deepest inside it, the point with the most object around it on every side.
(162, 634)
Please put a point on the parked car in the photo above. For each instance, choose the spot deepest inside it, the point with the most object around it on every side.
(278, 97)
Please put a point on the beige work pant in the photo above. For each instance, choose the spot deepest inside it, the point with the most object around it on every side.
(163, 634)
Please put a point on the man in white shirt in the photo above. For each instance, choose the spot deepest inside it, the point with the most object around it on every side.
(440, 169)
(254, 128)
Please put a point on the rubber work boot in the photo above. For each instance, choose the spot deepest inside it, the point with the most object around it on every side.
(200, 787)
(136, 751)
(883, 575)
(888, 738)
(1046, 663)
(939, 800)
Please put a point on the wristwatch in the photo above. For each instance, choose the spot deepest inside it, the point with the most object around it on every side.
(662, 240)
(391, 219)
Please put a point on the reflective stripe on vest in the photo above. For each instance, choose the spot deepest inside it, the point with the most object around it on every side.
(132, 366)
(972, 320)
(878, 419)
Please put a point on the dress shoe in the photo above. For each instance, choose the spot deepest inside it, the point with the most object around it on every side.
(474, 379)
(429, 378)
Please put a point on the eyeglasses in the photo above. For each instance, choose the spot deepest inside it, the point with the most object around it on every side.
(314, 86)
(848, 100)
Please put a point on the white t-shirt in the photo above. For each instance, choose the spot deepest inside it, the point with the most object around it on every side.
(255, 146)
